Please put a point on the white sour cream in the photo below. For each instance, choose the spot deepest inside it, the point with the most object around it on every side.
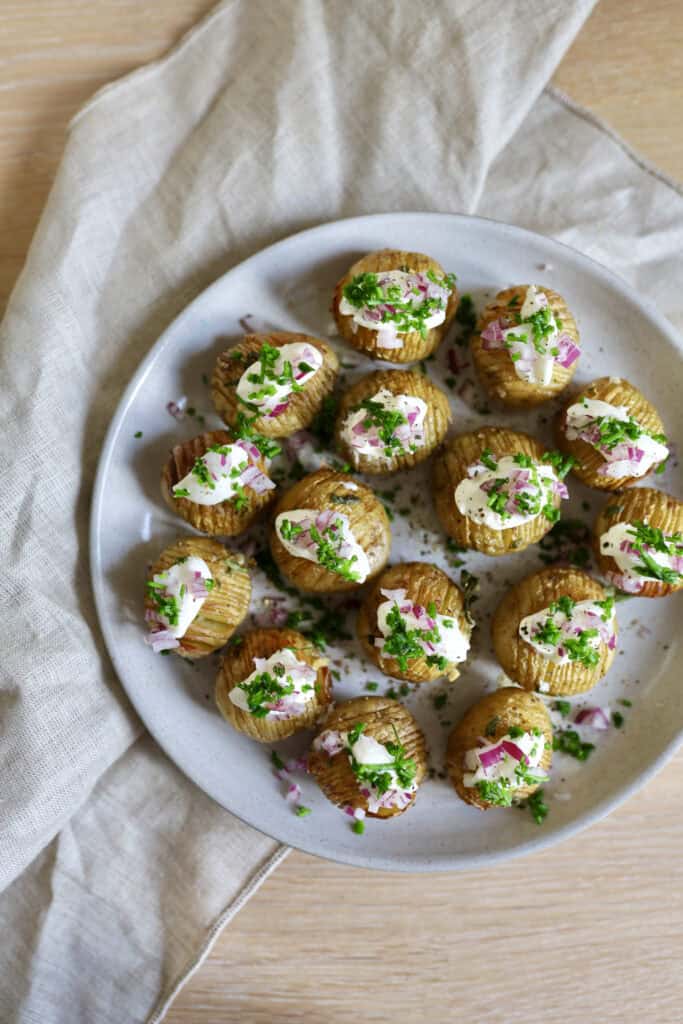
(178, 582)
(414, 288)
(471, 496)
(296, 673)
(298, 354)
(453, 644)
(303, 546)
(534, 301)
(368, 751)
(503, 770)
(223, 471)
(530, 365)
(588, 410)
(583, 422)
(585, 615)
(616, 543)
(366, 441)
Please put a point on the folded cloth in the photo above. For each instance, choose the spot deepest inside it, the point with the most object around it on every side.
(268, 118)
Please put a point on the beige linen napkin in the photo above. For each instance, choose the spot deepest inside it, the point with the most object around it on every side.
(268, 118)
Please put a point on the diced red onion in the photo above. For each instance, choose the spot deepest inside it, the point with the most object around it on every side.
(568, 350)
(491, 757)
(177, 409)
(197, 588)
(293, 793)
(162, 640)
(626, 583)
(594, 717)
(331, 742)
(454, 364)
(512, 749)
(492, 335)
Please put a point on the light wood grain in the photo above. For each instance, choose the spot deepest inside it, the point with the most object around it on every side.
(587, 932)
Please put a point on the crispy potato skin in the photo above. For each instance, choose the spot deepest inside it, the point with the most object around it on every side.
(414, 345)
(217, 520)
(423, 583)
(227, 603)
(496, 370)
(302, 407)
(398, 382)
(238, 663)
(450, 467)
(381, 715)
(518, 659)
(368, 521)
(511, 707)
(616, 391)
(639, 504)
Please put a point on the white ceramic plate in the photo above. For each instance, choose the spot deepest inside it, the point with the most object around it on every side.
(289, 285)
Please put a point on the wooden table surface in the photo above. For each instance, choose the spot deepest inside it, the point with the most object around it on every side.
(589, 931)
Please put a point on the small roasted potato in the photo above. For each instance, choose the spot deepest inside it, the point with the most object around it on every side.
(430, 636)
(394, 345)
(376, 720)
(622, 423)
(298, 710)
(509, 712)
(281, 410)
(636, 522)
(391, 420)
(329, 533)
(195, 460)
(504, 454)
(531, 668)
(222, 604)
(515, 381)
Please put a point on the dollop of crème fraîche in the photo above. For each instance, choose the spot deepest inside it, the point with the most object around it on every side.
(221, 474)
(267, 385)
(642, 553)
(178, 594)
(627, 448)
(396, 302)
(569, 630)
(500, 768)
(385, 426)
(325, 538)
(533, 338)
(410, 631)
(385, 776)
(501, 492)
(279, 687)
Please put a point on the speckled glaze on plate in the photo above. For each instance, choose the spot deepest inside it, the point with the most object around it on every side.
(289, 286)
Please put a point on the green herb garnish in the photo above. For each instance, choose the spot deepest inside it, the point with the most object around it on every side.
(560, 463)
(568, 741)
(537, 806)
(405, 644)
(406, 314)
(645, 536)
(497, 793)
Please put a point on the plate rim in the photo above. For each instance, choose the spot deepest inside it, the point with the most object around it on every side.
(407, 864)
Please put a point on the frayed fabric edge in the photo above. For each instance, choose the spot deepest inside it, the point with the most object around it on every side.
(167, 998)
